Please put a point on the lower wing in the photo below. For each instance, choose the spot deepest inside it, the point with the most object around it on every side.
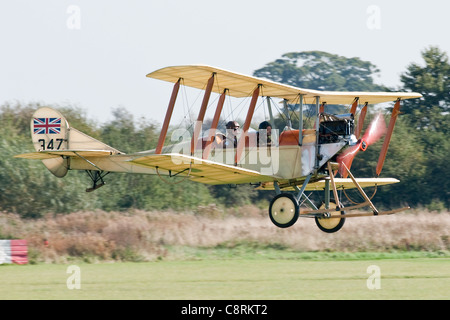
(341, 183)
(200, 170)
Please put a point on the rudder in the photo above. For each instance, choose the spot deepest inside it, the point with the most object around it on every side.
(49, 131)
(52, 136)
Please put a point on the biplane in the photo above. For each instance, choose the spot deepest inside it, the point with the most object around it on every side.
(290, 163)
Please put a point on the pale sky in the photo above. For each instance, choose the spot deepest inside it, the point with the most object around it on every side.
(95, 54)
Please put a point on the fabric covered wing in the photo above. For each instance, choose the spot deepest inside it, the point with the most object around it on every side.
(240, 85)
(199, 170)
(341, 183)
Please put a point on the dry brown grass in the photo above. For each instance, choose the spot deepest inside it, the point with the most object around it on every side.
(147, 235)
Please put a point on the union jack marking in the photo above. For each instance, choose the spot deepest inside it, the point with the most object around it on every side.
(47, 125)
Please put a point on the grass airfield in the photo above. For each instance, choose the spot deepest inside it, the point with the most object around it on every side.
(241, 279)
(201, 256)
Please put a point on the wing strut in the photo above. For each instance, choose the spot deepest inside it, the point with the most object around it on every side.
(387, 139)
(300, 121)
(214, 124)
(354, 106)
(201, 114)
(317, 127)
(360, 124)
(169, 111)
(251, 110)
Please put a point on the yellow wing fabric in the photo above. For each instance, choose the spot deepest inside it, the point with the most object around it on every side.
(199, 170)
(42, 155)
(240, 86)
(341, 183)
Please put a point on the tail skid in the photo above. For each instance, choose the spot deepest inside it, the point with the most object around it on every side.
(96, 176)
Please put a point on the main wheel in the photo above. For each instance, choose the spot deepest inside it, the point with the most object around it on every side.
(284, 210)
(333, 223)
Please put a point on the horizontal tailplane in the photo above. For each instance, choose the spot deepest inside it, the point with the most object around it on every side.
(55, 142)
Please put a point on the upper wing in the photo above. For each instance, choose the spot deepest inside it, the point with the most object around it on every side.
(199, 170)
(341, 183)
(240, 85)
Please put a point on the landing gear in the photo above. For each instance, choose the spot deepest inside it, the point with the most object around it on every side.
(284, 210)
(330, 221)
(330, 217)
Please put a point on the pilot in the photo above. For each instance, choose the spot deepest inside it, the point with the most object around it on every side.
(264, 135)
(232, 133)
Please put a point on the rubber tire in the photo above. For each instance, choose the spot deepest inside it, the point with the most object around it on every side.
(285, 203)
(331, 227)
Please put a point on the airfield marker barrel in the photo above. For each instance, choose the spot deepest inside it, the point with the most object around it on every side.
(13, 251)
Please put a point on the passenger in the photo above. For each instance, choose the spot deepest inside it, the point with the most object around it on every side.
(232, 132)
(264, 135)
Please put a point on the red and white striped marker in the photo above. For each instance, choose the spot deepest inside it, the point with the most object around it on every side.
(13, 251)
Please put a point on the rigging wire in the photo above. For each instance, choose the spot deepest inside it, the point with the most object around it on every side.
(174, 182)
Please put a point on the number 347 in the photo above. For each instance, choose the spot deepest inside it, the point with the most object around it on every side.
(53, 144)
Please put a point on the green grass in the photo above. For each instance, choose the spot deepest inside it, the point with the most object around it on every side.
(250, 250)
(419, 278)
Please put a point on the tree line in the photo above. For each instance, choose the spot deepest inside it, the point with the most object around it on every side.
(417, 155)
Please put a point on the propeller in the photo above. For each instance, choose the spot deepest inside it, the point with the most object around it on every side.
(374, 132)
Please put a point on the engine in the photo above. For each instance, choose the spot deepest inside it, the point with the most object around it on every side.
(334, 128)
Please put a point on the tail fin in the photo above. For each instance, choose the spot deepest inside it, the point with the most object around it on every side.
(54, 141)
